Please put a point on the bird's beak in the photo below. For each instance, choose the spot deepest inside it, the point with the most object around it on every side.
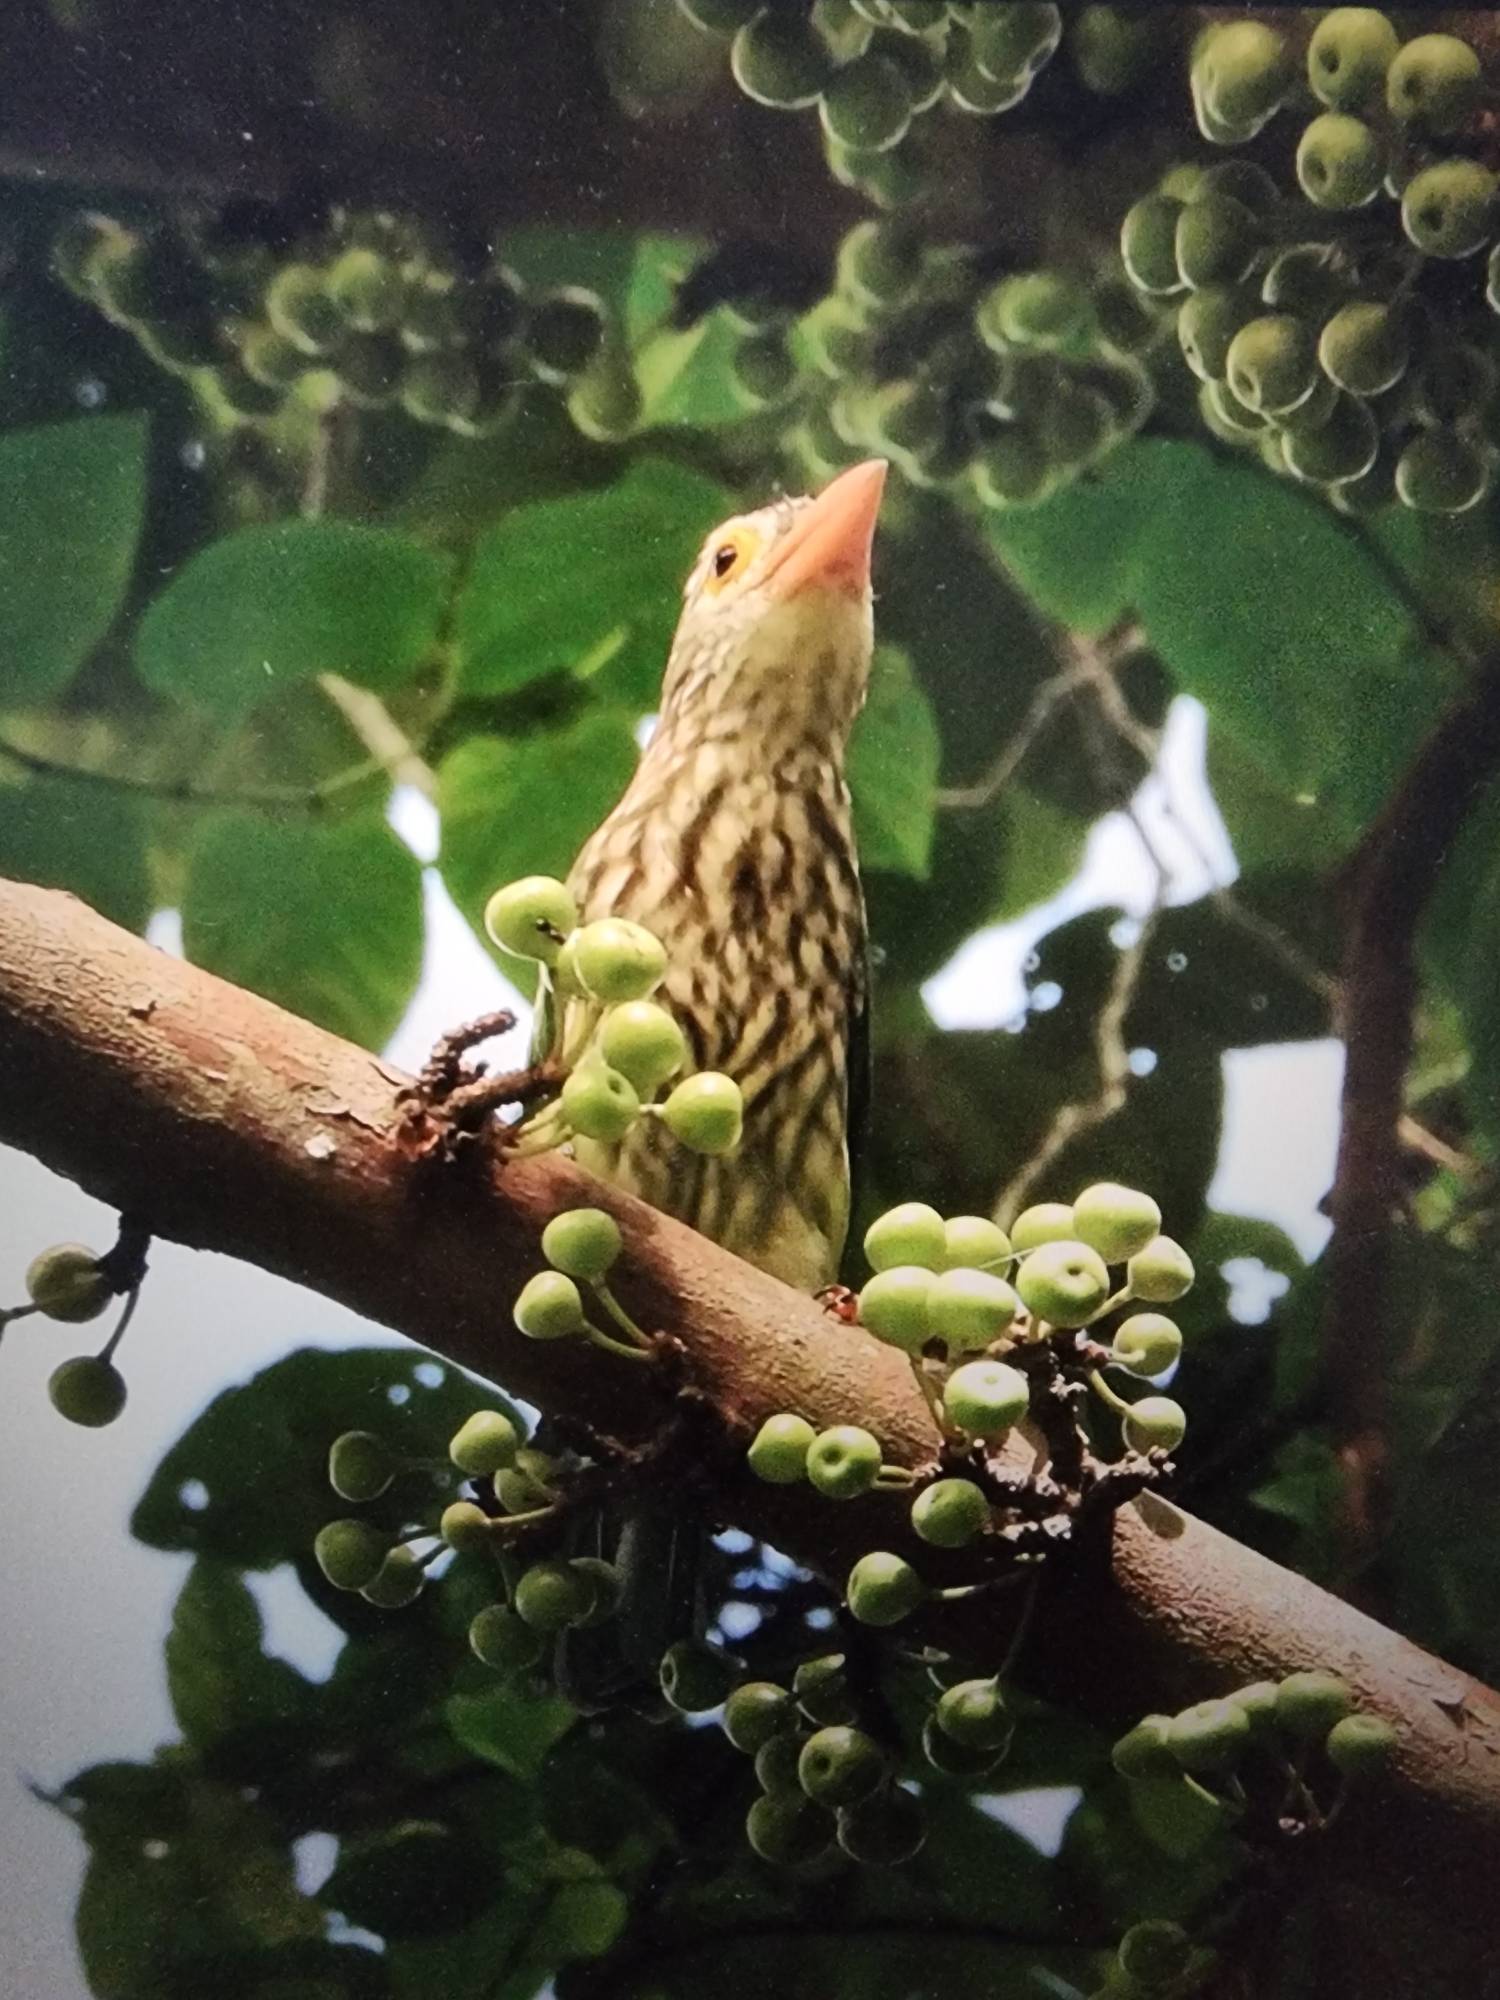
(828, 544)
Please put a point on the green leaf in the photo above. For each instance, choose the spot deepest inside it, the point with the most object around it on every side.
(1043, 850)
(326, 920)
(893, 768)
(591, 583)
(510, 1726)
(278, 603)
(409, 1880)
(218, 1676)
(72, 497)
(514, 806)
(1077, 556)
(248, 1481)
(67, 835)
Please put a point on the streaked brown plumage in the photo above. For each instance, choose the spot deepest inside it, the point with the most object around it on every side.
(733, 843)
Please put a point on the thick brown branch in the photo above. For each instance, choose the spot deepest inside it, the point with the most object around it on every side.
(225, 1123)
(1392, 876)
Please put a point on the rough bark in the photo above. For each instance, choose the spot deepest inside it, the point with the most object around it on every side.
(233, 1126)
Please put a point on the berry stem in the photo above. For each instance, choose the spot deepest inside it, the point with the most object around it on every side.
(619, 1315)
(933, 1399)
(1023, 1627)
(895, 1476)
(541, 1134)
(525, 1520)
(1112, 1304)
(107, 1352)
(1106, 1394)
(627, 1350)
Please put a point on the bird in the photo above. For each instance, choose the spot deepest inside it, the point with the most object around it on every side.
(734, 843)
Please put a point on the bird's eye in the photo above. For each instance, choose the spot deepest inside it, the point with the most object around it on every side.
(730, 554)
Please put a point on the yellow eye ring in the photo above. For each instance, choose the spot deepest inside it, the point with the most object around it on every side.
(730, 555)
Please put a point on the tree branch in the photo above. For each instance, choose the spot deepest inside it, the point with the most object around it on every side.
(227, 1124)
(1390, 878)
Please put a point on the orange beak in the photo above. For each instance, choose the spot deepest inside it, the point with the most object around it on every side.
(829, 542)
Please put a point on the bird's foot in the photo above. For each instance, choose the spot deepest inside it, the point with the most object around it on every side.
(839, 1303)
(454, 1097)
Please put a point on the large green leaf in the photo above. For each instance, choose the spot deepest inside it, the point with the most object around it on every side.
(589, 583)
(69, 835)
(893, 768)
(278, 603)
(324, 919)
(71, 502)
(514, 806)
(510, 1726)
(218, 1676)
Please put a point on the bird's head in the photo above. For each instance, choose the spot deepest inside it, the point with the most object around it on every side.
(776, 623)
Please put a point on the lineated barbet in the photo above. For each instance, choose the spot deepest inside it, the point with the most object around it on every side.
(734, 844)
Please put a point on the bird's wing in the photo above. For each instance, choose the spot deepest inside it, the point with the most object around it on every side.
(859, 1068)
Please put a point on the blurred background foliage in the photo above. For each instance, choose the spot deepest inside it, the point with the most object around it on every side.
(369, 451)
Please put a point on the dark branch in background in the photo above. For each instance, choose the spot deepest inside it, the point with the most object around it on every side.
(1386, 889)
(222, 1122)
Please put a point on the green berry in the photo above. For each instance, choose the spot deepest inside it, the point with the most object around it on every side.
(1144, 1752)
(720, 17)
(883, 1589)
(552, 1595)
(466, 1529)
(269, 358)
(1043, 309)
(844, 1462)
(1258, 1700)
(1361, 1746)
(755, 1712)
(893, 1306)
(69, 1283)
(1447, 210)
(484, 1444)
(1348, 56)
(583, 1242)
(883, 1831)
(867, 104)
(1216, 240)
(1241, 74)
(566, 331)
(1225, 417)
(778, 1454)
(776, 1764)
(695, 1676)
(501, 1640)
(821, 1687)
(440, 389)
(1063, 1282)
(1242, 180)
(360, 1466)
(920, 63)
(398, 1582)
(764, 369)
(1441, 472)
(549, 1307)
(1453, 384)
(1078, 423)
(1272, 364)
(1014, 39)
(840, 1766)
(301, 309)
(706, 1113)
(1340, 163)
(1160, 1272)
(967, 1310)
(879, 263)
(1309, 1704)
(973, 1713)
(973, 1243)
(1208, 1737)
(1365, 347)
(606, 401)
(619, 960)
(1148, 244)
(530, 918)
(946, 1754)
(1207, 321)
(605, 1585)
(780, 61)
(788, 1831)
(1126, 324)
(1011, 469)
(1306, 279)
(1155, 1954)
(87, 1390)
(1435, 81)
(986, 1398)
(1342, 447)
(1147, 1344)
(350, 1553)
(517, 1491)
(950, 1513)
(1116, 1221)
(598, 1103)
(367, 289)
(1112, 49)
(973, 89)
(1044, 1222)
(909, 1234)
(1155, 1423)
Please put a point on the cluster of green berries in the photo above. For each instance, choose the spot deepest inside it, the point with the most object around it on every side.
(389, 1569)
(1001, 391)
(874, 69)
(618, 1044)
(1327, 328)
(72, 1284)
(1298, 1731)
(369, 309)
(582, 1246)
